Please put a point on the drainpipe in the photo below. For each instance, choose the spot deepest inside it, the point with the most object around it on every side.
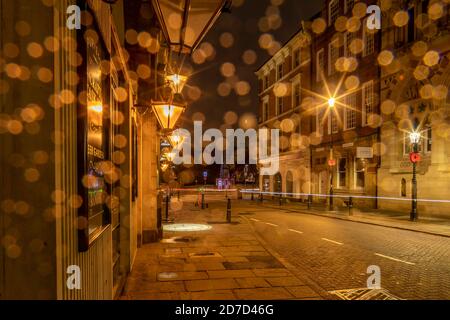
(380, 39)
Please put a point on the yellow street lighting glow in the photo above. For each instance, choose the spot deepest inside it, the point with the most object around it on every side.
(177, 82)
(97, 108)
(331, 102)
(414, 137)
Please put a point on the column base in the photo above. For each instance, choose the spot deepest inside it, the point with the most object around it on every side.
(151, 236)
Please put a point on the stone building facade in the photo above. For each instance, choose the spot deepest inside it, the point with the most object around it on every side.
(414, 93)
(345, 69)
(73, 146)
(368, 90)
(282, 81)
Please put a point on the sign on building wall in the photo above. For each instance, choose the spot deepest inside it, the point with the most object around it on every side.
(93, 138)
(364, 152)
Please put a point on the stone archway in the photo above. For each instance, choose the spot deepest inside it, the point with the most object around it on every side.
(277, 183)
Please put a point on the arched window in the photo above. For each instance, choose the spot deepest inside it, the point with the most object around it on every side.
(289, 183)
(277, 183)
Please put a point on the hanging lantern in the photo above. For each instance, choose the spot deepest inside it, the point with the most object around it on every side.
(169, 112)
(177, 82)
(176, 139)
(185, 23)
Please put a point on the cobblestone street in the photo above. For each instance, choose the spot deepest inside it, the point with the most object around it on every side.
(336, 253)
(269, 253)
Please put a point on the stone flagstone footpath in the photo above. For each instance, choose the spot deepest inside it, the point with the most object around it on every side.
(227, 262)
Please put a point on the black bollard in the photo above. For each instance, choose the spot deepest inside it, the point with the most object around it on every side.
(203, 201)
(280, 200)
(310, 200)
(167, 207)
(229, 211)
(253, 197)
(350, 206)
(261, 198)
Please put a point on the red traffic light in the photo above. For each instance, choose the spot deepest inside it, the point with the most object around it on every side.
(331, 162)
(415, 157)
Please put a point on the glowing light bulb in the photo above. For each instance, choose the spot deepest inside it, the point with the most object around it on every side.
(331, 102)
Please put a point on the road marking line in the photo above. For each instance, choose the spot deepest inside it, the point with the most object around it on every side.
(332, 241)
(296, 231)
(256, 220)
(271, 224)
(395, 259)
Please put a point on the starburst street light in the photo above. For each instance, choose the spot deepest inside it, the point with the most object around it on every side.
(331, 102)
(414, 138)
(177, 82)
(176, 139)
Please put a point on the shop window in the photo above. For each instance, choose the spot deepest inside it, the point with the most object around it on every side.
(403, 186)
(342, 173)
(94, 139)
(360, 174)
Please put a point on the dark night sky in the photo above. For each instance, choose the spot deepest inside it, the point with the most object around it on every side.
(242, 23)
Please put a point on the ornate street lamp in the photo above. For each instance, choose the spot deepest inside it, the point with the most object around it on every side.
(414, 156)
(184, 23)
(331, 161)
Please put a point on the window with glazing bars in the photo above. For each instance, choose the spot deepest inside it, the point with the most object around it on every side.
(348, 38)
(333, 56)
(350, 112)
(297, 95)
(320, 64)
(369, 40)
(368, 102)
(279, 105)
(333, 11)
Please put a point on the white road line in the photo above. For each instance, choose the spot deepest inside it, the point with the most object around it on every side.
(256, 220)
(271, 224)
(394, 259)
(296, 231)
(332, 241)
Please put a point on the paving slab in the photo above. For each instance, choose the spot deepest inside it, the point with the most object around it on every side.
(263, 294)
(252, 283)
(225, 263)
(211, 284)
